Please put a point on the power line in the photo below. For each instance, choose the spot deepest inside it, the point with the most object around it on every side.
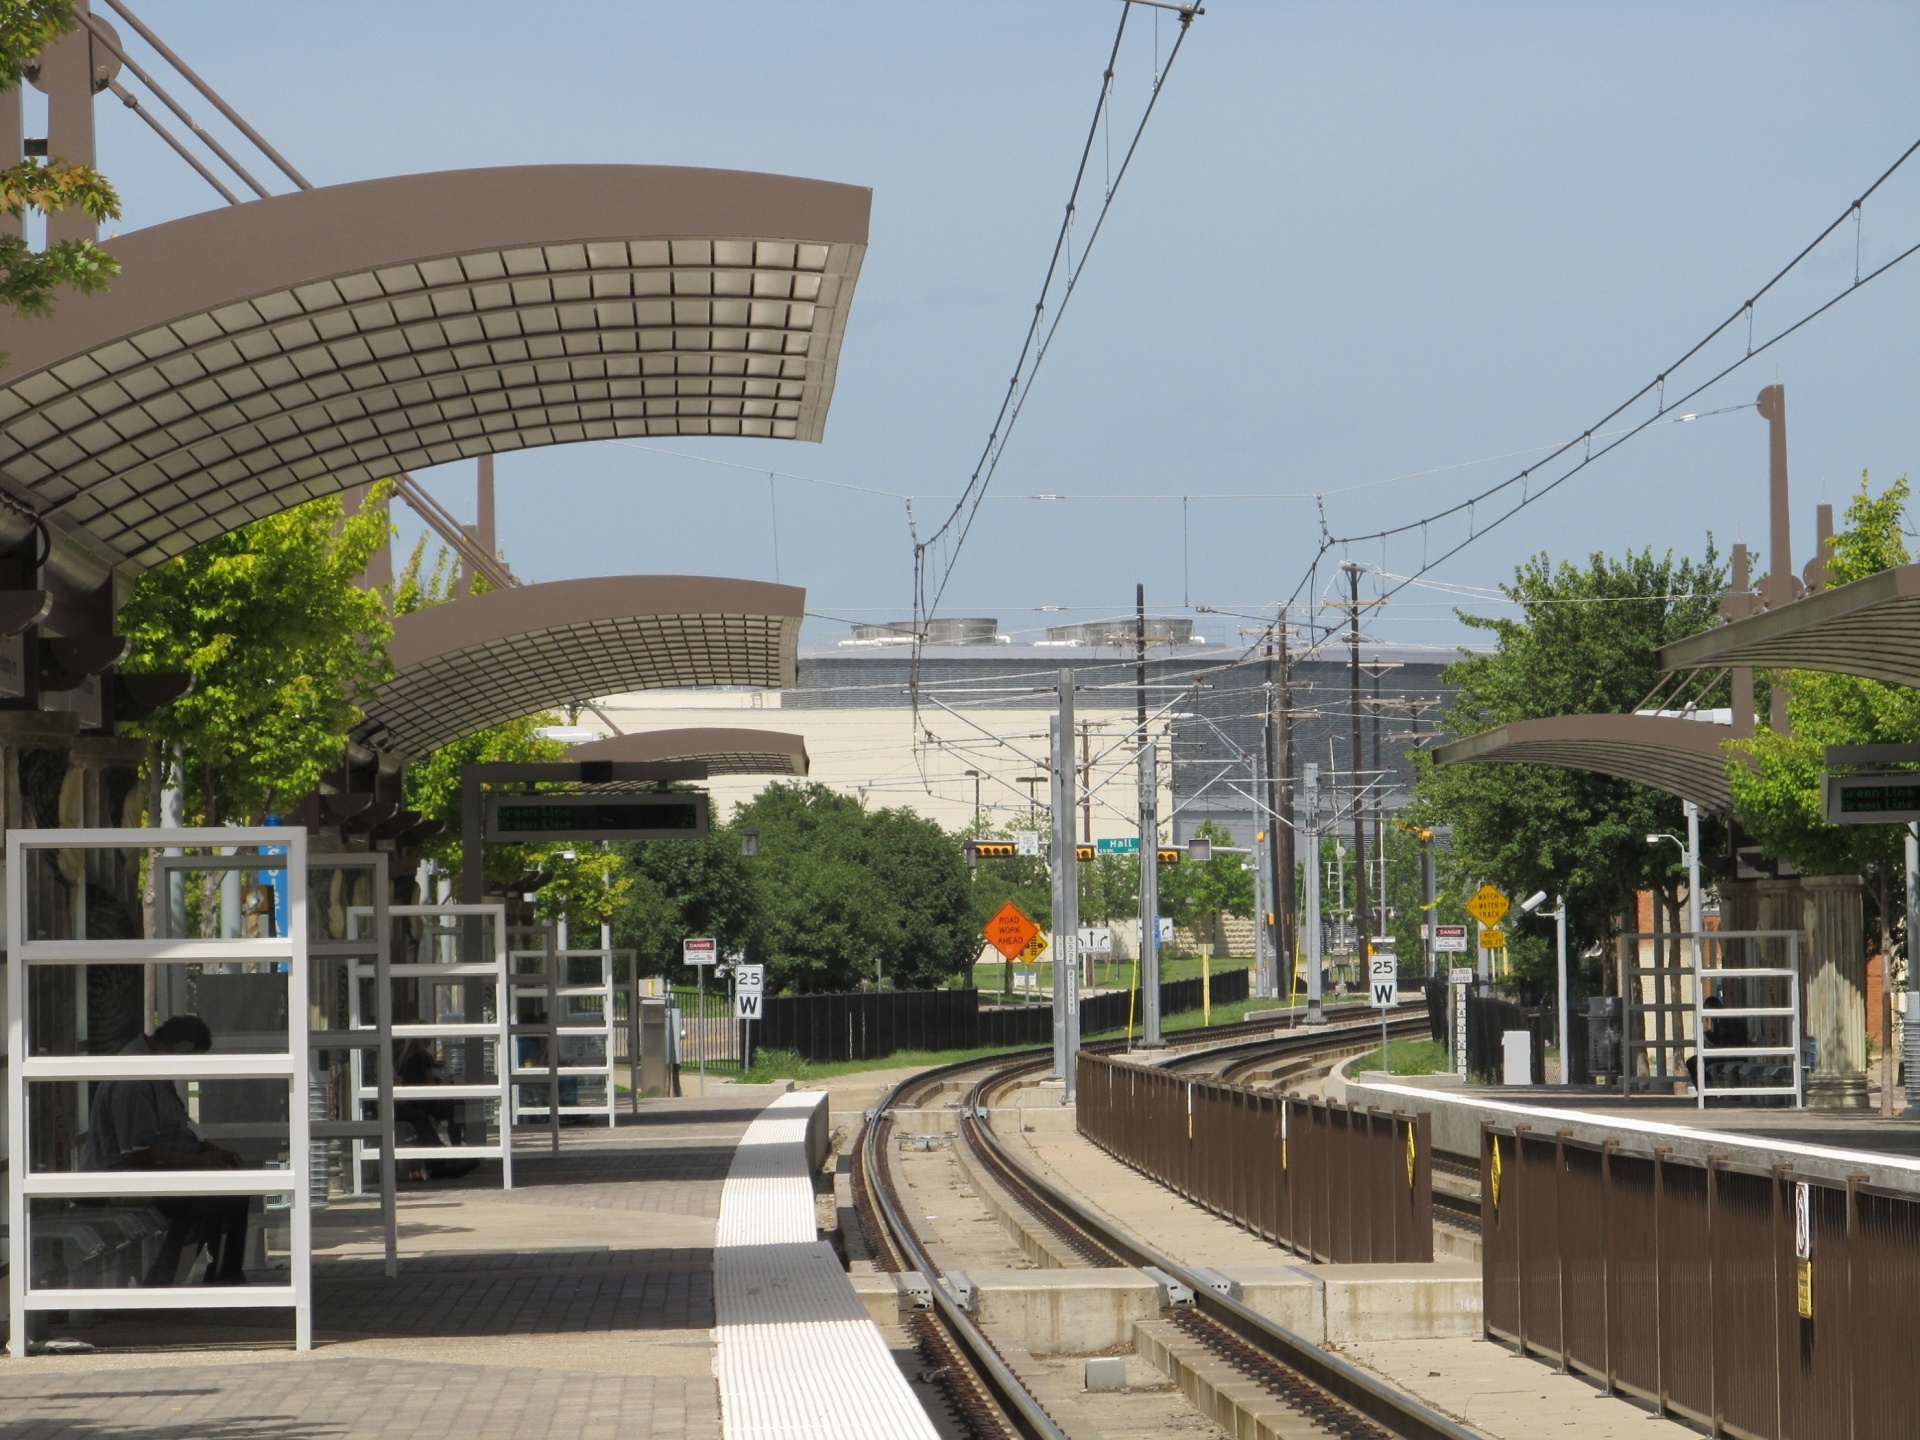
(1656, 387)
(1034, 346)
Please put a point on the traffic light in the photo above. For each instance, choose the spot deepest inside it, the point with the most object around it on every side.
(1169, 855)
(989, 850)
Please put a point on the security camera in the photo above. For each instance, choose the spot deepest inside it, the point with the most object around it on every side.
(1533, 902)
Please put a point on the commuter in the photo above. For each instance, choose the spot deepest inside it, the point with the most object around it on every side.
(143, 1125)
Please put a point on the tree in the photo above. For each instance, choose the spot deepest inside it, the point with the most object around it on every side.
(683, 888)
(279, 637)
(1110, 888)
(29, 278)
(1584, 642)
(1776, 777)
(843, 895)
(1198, 895)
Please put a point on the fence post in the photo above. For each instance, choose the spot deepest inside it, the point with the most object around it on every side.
(1560, 1233)
(1609, 1278)
(1520, 1201)
(1660, 1153)
(1849, 1346)
(1716, 1331)
(1780, 1348)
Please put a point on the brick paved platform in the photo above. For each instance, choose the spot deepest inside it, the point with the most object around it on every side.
(578, 1304)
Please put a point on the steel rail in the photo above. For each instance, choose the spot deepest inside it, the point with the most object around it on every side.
(872, 1178)
(1371, 1397)
(1018, 1405)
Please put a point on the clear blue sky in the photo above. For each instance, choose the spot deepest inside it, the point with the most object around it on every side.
(1360, 241)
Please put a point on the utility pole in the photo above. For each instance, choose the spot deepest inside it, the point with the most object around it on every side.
(1280, 788)
(1148, 766)
(975, 776)
(1269, 861)
(1066, 895)
(1316, 1013)
(1375, 792)
(1140, 662)
(1361, 938)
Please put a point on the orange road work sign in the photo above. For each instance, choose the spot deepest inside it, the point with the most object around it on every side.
(1010, 931)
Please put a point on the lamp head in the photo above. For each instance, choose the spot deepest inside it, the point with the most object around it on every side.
(1533, 902)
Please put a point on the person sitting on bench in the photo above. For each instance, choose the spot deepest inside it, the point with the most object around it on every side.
(142, 1125)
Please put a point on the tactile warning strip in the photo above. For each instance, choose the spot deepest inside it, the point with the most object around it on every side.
(797, 1357)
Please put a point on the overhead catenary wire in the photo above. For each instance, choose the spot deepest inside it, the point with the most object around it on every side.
(1583, 444)
(952, 532)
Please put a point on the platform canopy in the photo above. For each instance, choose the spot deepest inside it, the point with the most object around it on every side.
(251, 358)
(1870, 627)
(1682, 757)
(480, 661)
(702, 752)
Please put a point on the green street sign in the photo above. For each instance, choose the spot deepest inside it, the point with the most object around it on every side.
(1125, 845)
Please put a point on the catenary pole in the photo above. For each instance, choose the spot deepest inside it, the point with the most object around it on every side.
(1149, 792)
(1280, 779)
(1362, 939)
(1316, 1014)
(1066, 892)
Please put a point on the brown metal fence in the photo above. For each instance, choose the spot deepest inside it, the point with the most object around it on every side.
(1677, 1281)
(1330, 1182)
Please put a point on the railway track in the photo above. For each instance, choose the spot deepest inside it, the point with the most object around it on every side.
(985, 1393)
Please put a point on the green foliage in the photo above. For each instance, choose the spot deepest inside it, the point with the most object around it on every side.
(680, 889)
(843, 894)
(586, 887)
(1776, 778)
(1110, 889)
(29, 278)
(279, 638)
(1197, 895)
(1583, 643)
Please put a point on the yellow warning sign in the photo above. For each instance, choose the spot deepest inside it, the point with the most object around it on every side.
(1035, 948)
(1803, 1287)
(1493, 939)
(1488, 905)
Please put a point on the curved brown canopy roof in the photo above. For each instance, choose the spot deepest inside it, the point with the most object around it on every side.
(486, 659)
(1681, 757)
(257, 356)
(1870, 627)
(708, 750)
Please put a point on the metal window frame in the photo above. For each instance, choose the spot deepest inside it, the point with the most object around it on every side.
(291, 1065)
(499, 1032)
(609, 990)
(359, 1037)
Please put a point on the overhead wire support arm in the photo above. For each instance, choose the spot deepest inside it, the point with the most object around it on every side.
(105, 37)
(132, 102)
(238, 121)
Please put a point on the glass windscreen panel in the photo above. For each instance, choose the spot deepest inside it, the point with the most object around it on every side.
(132, 892)
(160, 1242)
(225, 1007)
(188, 1123)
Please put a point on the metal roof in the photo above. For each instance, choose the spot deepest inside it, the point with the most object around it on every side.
(701, 751)
(1870, 627)
(1681, 757)
(257, 356)
(486, 659)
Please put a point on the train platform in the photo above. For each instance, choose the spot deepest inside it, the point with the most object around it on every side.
(663, 1279)
(1815, 1143)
